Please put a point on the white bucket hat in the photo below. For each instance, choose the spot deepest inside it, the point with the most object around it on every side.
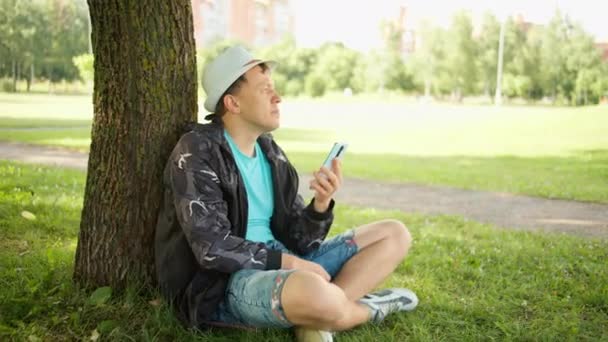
(226, 68)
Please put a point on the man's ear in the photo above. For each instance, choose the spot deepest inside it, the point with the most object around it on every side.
(231, 103)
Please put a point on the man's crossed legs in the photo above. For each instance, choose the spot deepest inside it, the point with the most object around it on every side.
(357, 261)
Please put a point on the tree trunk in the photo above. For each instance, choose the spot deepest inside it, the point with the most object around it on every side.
(30, 79)
(145, 91)
(18, 74)
(14, 76)
(585, 94)
(427, 88)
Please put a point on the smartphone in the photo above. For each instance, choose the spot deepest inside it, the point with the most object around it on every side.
(336, 152)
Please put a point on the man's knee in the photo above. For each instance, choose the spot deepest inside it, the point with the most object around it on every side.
(306, 297)
(399, 236)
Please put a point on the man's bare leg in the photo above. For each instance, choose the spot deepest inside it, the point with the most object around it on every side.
(382, 246)
(310, 301)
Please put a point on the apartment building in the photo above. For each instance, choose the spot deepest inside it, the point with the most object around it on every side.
(253, 22)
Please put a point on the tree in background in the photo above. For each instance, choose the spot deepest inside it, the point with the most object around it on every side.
(294, 65)
(572, 70)
(297, 67)
(17, 35)
(68, 28)
(384, 69)
(43, 39)
(145, 91)
(427, 60)
(461, 52)
(84, 64)
(39, 38)
(488, 54)
(333, 67)
(394, 73)
(519, 61)
(526, 63)
(553, 60)
(369, 73)
(584, 60)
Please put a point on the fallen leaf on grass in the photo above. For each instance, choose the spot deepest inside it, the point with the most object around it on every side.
(94, 335)
(106, 327)
(100, 296)
(156, 302)
(27, 215)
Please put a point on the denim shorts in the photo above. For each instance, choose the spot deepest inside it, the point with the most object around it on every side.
(253, 297)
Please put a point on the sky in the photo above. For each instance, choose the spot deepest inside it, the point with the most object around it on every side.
(356, 22)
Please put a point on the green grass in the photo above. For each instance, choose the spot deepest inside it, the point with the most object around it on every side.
(475, 282)
(73, 138)
(551, 152)
(582, 177)
(44, 106)
(15, 123)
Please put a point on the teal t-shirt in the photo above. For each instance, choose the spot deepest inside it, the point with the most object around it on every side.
(257, 176)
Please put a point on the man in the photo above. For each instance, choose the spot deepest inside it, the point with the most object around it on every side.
(235, 243)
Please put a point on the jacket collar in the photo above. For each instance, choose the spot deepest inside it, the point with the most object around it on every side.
(214, 131)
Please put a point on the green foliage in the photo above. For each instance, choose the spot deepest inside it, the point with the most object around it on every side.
(334, 66)
(41, 37)
(294, 65)
(396, 74)
(84, 63)
(573, 69)
(558, 61)
(315, 85)
(461, 51)
(516, 85)
(584, 61)
(7, 85)
(428, 60)
(487, 59)
(474, 281)
(368, 73)
(100, 296)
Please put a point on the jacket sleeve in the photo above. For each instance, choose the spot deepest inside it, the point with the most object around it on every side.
(305, 227)
(203, 213)
(308, 227)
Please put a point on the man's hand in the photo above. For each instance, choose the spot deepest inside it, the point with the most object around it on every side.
(325, 184)
(292, 262)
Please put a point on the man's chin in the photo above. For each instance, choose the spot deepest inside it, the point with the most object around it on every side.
(274, 124)
(274, 127)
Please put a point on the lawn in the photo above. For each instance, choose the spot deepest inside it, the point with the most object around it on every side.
(475, 281)
(550, 152)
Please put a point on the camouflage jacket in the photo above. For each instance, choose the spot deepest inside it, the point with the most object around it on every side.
(202, 222)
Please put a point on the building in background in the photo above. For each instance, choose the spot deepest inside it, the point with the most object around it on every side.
(253, 22)
(398, 27)
(603, 47)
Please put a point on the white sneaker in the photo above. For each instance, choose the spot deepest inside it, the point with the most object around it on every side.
(311, 335)
(387, 301)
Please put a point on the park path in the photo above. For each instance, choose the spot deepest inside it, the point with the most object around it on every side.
(500, 209)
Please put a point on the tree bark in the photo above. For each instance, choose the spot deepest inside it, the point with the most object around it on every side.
(145, 90)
